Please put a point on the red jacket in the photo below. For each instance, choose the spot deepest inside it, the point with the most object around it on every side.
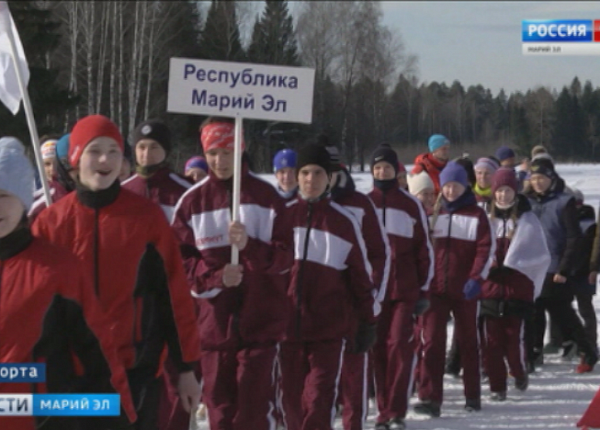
(378, 250)
(255, 311)
(412, 255)
(464, 246)
(127, 249)
(163, 187)
(330, 283)
(432, 166)
(47, 313)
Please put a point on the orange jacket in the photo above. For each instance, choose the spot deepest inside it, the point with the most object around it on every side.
(129, 252)
(433, 167)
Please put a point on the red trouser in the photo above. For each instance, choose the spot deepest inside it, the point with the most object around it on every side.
(435, 322)
(505, 337)
(239, 388)
(310, 374)
(353, 390)
(394, 359)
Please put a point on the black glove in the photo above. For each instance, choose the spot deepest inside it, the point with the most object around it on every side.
(421, 306)
(366, 336)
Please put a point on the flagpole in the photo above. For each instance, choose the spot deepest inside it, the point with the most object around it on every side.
(35, 140)
(237, 181)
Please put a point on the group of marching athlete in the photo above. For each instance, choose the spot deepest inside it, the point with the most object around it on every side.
(125, 283)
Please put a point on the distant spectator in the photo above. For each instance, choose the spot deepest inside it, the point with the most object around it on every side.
(484, 170)
(522, 172)
(435, 160)
(466, 162)
(585, 286)
(506, 156)
(538, 149)
(196, 169)
(421, 186)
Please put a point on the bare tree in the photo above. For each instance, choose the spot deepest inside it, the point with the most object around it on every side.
(134, 78)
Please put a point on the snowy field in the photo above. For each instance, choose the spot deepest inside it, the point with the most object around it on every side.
(557, 396)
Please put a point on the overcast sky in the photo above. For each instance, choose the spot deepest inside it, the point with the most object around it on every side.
(480, 42)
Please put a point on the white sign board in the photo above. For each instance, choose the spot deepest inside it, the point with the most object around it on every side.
(246, 90)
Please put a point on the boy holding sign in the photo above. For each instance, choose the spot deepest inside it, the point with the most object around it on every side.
(242, 308)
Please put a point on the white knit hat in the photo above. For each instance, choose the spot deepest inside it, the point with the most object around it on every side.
(16, 171)
(419, 182)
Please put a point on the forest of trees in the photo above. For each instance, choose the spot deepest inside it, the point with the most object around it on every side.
(113, 58)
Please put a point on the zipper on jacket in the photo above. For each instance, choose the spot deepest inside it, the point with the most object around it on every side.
(447, 253)
(301, 271)
(96, 252)
(383, 205)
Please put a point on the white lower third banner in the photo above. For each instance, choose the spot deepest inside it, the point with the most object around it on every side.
(570, 48)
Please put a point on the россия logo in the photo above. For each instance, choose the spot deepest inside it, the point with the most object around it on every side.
(560, 30)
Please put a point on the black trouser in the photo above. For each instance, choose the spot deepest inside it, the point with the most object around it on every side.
(557, 300)
(588, 314)
(146, 396)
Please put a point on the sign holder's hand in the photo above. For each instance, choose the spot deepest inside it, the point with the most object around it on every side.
(232, 275)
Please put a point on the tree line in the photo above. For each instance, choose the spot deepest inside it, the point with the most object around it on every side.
(113, 58)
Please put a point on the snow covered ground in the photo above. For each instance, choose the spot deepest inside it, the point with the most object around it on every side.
(557, 396)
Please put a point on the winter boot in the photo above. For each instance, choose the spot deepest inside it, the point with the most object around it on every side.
(499, 396)
(588, 361)
(473, 405)
(427, 407)
(521, 384)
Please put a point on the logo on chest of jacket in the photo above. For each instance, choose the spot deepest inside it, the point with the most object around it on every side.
(209, 240)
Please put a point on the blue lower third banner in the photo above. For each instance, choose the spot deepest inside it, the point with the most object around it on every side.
(65, 405)
(23, 372)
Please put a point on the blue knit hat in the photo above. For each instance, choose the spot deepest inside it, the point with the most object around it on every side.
(504, 153)
(436, 141)
(16, 171)
(284, 158)
(196, 161)
(454, 172)
(62, 146)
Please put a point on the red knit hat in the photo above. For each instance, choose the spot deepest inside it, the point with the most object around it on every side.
(86, 130)
(504, 177)
(218, 135)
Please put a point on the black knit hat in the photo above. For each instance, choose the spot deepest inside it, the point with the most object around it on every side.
(334, 152)
(384, 152)
(544, 167)
(313, 154)
(153, 129)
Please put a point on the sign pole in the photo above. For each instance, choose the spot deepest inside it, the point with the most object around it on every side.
(237, 182)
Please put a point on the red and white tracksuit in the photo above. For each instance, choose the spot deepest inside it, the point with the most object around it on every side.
(241, 326)
(411, 272)
(464, 248)
(356, 375)
(330, 288)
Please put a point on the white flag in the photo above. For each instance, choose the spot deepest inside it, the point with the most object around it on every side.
(10, 93)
